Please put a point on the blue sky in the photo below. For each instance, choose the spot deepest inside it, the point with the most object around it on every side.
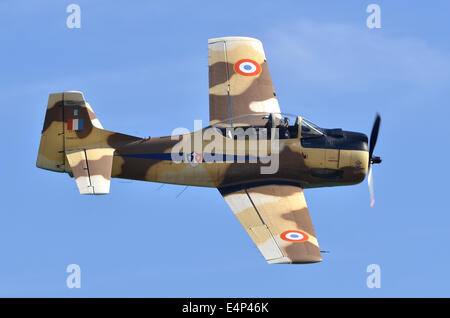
(143, 66)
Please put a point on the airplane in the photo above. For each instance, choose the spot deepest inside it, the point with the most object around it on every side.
(262, 179)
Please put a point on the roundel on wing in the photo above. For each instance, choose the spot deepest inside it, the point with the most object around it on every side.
(294, 236)
(247, 67)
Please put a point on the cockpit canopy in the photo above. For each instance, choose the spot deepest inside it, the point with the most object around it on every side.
(255, 120)
(287, 124)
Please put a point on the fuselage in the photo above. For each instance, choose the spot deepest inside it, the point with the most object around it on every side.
(335, 158)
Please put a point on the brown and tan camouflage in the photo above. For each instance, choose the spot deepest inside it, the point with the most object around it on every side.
(85, 153)
(271, 207)
(270, 214)
(232, 94)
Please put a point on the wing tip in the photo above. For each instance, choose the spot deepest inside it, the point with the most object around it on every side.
(232, 39)
(287, 260)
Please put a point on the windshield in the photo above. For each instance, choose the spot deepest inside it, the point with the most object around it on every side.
(310, 129)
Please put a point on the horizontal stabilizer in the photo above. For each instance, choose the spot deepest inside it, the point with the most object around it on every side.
(92, 169)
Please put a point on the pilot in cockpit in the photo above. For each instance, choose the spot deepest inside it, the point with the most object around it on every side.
(284, 128)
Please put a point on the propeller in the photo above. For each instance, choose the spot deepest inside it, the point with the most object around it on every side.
(373, 159)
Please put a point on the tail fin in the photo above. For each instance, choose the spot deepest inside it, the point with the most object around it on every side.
(74, 141)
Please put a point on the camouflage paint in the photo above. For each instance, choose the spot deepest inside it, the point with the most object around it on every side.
(271, 207)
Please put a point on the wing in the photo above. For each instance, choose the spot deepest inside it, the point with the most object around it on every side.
(92, 169)
(239, 79)
(277, 219)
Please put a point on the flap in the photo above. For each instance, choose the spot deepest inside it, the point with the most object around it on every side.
(92, 169)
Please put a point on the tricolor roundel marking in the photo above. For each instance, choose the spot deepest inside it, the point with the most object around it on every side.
(294, 236)
(194, 158)
(247, 67)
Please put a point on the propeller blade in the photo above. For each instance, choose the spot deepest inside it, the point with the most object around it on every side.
(371, 191)
(373, 159)
(374, 135)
